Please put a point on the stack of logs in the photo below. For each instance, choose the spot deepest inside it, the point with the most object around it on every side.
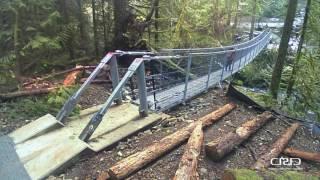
(216, 149)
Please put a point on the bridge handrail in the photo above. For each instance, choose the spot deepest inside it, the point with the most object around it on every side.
(214, 48)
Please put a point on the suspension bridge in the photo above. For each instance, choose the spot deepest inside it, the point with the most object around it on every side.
(164, 79)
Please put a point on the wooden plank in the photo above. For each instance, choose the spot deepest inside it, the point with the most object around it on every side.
(34, 128)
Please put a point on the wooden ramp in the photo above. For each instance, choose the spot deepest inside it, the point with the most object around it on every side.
(43, 155)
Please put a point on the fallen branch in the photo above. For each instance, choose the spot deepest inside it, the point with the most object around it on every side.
(237, 174)
(136, 161)
(188, 165)
(79, 68)
(217, 149)
(310, 156)
(276, 148)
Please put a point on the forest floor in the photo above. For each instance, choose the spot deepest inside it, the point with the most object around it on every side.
(90, 165)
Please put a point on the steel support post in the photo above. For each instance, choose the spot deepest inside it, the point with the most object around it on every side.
(233, 62)
(245, 57)
(222, 72)
(115, 78)
(161, 71)
(187, 78)
(250, 56)
(143, 108)
(209, 72)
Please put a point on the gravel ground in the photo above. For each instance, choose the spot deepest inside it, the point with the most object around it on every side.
(89, 165)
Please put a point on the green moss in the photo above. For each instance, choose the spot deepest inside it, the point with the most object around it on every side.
(263, 99)
(245, 174)
(293, 175)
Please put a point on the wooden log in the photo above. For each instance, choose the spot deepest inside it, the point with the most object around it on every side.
(136, 161)
(264, 161)
(71, 78)
(217, 149)
(238, 174)
(27, 93)
(188, 165)
(310, 156)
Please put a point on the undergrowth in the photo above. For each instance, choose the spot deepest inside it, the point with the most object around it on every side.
(34, 107)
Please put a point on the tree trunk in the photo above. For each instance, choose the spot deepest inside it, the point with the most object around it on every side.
(127, 166)
(219, 148)
(121, 19)
(156, 23)
(188, 165)
(235, 23)
(253, 18)
(229, 11)
(95, 30)
(299, 53)
(275, 150)
(283, 48)
(63, 9)
(315, 157)
(17, 46)
(239, 174)
(84, 40)
(104, 23)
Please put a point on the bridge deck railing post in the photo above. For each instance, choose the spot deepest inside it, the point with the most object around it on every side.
(187, 78)
(209, 72)
(143, 107)
(224, 63)
(241, 53)
(161, 73)
(115, 78)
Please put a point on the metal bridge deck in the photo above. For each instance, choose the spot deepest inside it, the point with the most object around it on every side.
(171, 97)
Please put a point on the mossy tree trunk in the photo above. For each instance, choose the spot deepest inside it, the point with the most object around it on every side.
(253, 18)
(236, 17)
(283, 48)
(299, 53)
(95, 28)
(121, 19)
(17, 45)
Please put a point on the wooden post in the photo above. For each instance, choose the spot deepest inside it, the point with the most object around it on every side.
(136, 161)
(219, 148)
(188, 165)
(276, 148)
